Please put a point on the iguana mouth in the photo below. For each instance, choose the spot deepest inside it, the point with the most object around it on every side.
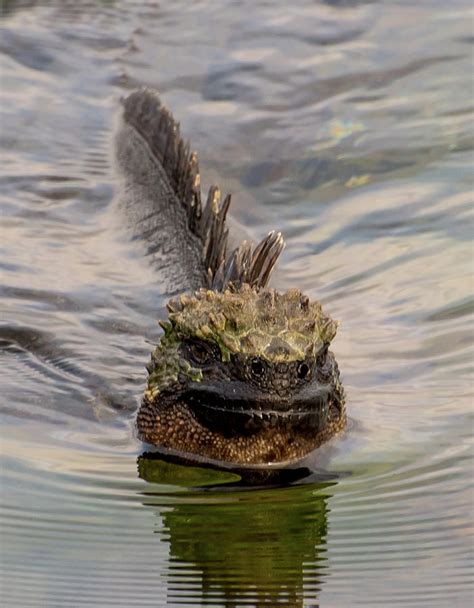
(233, 415)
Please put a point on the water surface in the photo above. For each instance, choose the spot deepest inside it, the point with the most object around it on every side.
(348, 125)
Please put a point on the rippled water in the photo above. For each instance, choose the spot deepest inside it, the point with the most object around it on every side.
(347, 125)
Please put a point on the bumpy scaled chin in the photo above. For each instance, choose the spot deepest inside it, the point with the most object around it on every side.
(189, 427)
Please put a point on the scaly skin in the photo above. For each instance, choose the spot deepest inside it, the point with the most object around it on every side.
(243, 376)
(242, 373)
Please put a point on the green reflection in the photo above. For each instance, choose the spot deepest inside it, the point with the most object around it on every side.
(162, 472)
(260, 548)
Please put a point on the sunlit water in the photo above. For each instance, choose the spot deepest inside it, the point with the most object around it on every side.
(347, 125)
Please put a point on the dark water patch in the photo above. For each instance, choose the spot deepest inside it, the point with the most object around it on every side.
(54, 301)
(329, 88)
(16, 340)
(454, 311)
(353, 279)
(307, 174)
(28, 52)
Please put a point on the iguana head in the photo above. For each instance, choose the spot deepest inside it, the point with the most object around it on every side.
(243, 375)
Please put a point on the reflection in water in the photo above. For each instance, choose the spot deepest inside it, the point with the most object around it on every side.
(263, 547)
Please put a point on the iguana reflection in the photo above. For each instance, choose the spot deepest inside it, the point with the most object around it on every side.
(261, 548)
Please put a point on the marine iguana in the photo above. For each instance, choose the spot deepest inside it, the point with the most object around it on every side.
(242, 373)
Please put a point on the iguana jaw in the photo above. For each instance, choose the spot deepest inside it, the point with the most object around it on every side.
(176, 427)
(233, 407)
(268, 431)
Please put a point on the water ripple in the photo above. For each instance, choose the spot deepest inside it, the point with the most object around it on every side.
(348, 125)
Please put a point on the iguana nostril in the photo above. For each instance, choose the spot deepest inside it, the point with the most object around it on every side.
(257, 367)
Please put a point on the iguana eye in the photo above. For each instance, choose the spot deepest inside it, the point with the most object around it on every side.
(200, 353)
(303, 370)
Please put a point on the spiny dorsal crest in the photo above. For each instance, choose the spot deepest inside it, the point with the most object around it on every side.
(144, 111)
(247, 265)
